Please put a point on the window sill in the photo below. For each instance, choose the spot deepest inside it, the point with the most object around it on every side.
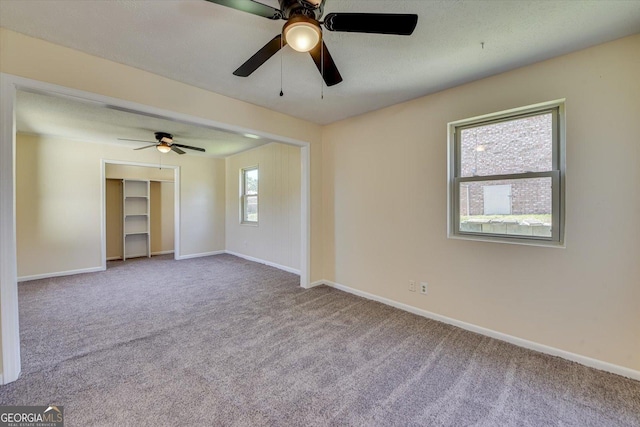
(508, 240)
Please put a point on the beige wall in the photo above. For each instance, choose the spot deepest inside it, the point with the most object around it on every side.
(23, 56)
(385, 209)
(113, 218)
(118, 171)
(162, 217)
(58, 206)
(277, 237)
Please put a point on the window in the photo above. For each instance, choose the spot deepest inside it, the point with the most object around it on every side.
(249, 195)
(506, 176)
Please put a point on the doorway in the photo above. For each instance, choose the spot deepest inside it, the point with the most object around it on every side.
(9, 86)
(153, 228)
(113, 228)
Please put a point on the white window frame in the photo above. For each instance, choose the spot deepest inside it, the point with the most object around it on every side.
(244, 195)
(557, 174)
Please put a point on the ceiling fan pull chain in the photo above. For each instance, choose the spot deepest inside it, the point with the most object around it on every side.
(281, 55)
(321, 66)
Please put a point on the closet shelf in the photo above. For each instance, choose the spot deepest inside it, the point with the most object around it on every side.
(136, 236)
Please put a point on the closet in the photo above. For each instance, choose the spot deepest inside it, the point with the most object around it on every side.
(136, 241)
(139, 210)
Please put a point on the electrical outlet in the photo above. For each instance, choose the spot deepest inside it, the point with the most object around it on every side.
(412, 285)
(423, 288)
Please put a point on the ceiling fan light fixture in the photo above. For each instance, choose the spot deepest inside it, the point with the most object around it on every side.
(163, 147)
(302, 33)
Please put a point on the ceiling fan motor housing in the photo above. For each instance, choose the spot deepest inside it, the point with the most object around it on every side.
(164, 137)
(309, 8)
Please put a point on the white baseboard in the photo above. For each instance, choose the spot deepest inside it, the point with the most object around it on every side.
(1, 381)
(162, 252)
(321, 282)
(200, 255)
(140, 255)
(583, 360)
(262, 261)
(60, 273)
(115, 258)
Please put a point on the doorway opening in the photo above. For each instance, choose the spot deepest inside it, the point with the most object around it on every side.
(141, 210)
(9, 86)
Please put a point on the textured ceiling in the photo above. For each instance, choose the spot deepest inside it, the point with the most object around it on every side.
(200, 43)
(91, 122)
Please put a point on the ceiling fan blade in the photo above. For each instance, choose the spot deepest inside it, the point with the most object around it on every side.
(251, 6)
(260, 57)
(325, 65)
(176, 149)
(188, 146)
(146, 146)
(378, 23)
(137, 140)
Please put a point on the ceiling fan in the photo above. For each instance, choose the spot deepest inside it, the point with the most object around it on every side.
(165, 144)
(303, 31)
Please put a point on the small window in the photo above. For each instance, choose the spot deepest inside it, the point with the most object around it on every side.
(249, 195)
(506, 176)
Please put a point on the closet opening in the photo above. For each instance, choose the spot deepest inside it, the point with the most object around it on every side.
(140, 210)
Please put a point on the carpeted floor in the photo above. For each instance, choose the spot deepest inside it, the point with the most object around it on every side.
(220, 341)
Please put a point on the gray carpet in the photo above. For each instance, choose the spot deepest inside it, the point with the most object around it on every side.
(227, 342)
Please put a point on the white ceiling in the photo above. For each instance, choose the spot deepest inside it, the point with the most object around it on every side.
(202, 43)
(93, 122)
